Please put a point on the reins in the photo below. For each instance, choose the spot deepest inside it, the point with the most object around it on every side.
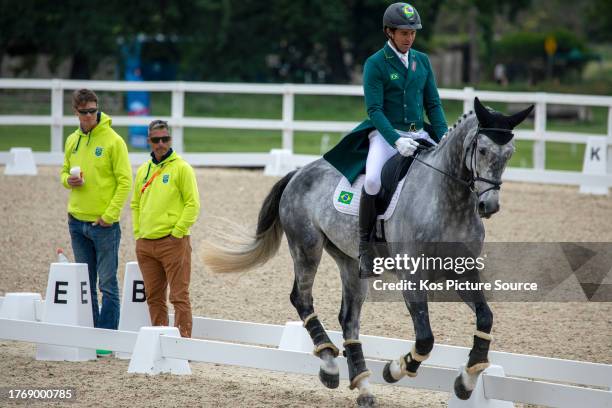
(474, 177)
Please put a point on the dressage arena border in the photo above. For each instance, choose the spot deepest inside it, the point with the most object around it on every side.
(288, 349)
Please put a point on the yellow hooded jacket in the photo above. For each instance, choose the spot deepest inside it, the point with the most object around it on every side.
(103, 158)
(170, 202)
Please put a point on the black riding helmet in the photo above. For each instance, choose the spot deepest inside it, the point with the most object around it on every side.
(401, 16)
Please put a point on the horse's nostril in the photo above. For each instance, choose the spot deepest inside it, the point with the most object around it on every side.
(481, 206)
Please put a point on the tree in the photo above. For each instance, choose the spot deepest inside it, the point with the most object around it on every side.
(16, 33)
(599, 16)
(478, 18)
(228, 40)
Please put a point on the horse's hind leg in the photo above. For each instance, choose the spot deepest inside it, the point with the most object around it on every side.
(306, 248)
(354, 292)
(478, 360)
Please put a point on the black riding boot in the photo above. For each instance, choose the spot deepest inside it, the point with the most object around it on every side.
(367, 222)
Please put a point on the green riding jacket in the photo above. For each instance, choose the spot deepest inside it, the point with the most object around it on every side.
(103, 158)
(170, 203)
(396, 97)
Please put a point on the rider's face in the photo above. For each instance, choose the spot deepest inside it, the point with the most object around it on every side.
(403, 39)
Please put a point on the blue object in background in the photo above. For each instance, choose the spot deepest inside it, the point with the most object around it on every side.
(146, 58)
(138, 103)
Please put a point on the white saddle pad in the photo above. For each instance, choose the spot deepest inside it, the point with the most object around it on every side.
(346, 197)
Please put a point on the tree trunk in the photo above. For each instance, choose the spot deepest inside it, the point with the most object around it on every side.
(80, 66)
(474, 57)
(335, 61)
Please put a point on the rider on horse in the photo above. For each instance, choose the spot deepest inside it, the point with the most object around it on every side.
(398, 85)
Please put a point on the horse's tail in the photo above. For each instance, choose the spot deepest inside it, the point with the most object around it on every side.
(243, 255)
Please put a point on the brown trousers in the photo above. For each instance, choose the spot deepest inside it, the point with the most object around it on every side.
(167, 261)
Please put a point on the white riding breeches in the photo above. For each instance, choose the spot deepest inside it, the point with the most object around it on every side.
(380, 151)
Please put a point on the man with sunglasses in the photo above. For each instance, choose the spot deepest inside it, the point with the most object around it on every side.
(97, 194)
(165, 204)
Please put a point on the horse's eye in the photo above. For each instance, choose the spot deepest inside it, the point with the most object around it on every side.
(482, 151)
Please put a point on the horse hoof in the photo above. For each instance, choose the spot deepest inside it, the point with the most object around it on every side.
(387, 374)
(366, 401)
(460, 391)
(329, 380)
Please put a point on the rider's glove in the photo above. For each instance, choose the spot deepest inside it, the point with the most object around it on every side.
(406, 146)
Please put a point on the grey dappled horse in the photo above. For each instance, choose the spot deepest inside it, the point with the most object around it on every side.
(446, 193)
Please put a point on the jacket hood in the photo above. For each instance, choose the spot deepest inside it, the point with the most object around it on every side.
(173, 156)
(104, 123)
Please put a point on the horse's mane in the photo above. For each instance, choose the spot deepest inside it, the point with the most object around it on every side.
(458, 127)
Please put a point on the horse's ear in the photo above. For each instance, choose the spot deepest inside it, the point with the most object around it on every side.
(519, 117)
(482, 113)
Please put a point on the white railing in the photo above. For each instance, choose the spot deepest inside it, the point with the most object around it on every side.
(545, 383)
(288, 125)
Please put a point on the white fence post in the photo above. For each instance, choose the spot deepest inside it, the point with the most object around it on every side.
(57, 111)
(468, 99)
(609, 155)
(288, 111)
(539, 145)
(178, 110)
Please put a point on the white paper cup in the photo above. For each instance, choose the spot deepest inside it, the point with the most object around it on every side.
(76, 172)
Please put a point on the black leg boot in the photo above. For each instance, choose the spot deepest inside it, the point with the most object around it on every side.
(478, 360)
(367, 222)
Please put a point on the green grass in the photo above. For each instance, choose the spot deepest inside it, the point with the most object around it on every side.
(233, 106)
(230, 140)
(36, 137)
(559, 156)
(562, 156)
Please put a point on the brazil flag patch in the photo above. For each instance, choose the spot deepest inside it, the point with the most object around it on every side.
(345, 197)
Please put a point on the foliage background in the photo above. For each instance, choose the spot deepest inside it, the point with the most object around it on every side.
(297, 41)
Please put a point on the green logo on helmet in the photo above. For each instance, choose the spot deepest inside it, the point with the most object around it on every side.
(408, 10)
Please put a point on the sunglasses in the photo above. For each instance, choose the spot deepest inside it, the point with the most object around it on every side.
(156, 140)
(87, 111)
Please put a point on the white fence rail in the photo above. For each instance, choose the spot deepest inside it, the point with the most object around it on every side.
(437, 375)
(288, 125)
(384, 348)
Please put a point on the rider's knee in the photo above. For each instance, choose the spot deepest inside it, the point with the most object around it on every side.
(371, 185)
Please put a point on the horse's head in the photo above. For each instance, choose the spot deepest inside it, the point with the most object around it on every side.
(487, 152)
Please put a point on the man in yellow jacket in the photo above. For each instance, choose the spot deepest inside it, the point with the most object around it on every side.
(98, 173)
(165, 204)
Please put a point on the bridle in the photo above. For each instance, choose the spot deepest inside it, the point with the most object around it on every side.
(504, 135)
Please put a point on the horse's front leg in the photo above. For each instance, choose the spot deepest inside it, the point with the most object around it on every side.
(408, 364)
(478, 360)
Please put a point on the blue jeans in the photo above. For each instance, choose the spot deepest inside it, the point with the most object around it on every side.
(98, 247)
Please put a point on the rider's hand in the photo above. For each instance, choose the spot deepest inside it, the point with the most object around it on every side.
(406, 146)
